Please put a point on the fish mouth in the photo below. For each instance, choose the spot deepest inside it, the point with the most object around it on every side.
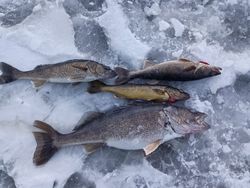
(216, 70)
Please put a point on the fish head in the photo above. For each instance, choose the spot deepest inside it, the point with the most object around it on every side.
(205, 70)
(184, 121)
(176, 95)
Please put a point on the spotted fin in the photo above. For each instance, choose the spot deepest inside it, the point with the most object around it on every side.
(90, 148)
(86, 118)
(148, 63)
(38, 83)
(152, 147)
(204, 62)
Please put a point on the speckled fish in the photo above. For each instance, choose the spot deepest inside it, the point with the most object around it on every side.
(141, 92)
(71, 71)
(178, 70)
(127, 128)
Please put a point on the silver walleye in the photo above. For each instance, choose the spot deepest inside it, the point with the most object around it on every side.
(128, 128)
(177, 70)
(71, 71)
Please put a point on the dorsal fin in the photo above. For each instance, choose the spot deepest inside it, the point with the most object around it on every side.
(184, 60)
(86, 118)
(148, 63)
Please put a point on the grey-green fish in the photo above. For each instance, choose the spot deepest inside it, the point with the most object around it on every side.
(127, 128)
(176, 70)
(71, 71)
(141, 92)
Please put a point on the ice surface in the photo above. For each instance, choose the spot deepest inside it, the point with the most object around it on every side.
(124, 32)
(178, 27)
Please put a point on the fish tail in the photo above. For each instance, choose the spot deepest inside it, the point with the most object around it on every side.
(95, 87)
(7, 73)
(45, 148)
(123, 75)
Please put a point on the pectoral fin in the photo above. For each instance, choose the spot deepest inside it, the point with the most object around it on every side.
(148, 63)
(92, 147)
(159, 91)
(153, 82)
(190, 68)
(38, 83)
(79, 66)
(86, 118)
(152, 147)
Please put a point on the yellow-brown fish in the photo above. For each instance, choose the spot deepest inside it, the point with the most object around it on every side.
(141, 92)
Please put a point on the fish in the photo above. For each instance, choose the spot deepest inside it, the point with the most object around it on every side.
(141, 92)
(176, 70)
(135, 127)
(70, 71)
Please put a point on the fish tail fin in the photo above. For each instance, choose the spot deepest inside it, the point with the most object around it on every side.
(45, 148)
(95, 87)
(123, 75)
(7, 73)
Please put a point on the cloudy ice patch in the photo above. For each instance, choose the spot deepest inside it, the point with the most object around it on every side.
(122, 40)
(143, 175)
(52, 35)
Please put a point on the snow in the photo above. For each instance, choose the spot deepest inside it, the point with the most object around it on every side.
(154, 10)
(178, 27)
(163, 25)
(122, 40)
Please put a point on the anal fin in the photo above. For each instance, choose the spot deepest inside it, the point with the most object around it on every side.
(152, 147)
(38, 83)
(92, 147)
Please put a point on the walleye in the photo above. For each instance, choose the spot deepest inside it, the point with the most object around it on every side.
(128, 128)
(141, 92)
(71, 71)
(179, 70)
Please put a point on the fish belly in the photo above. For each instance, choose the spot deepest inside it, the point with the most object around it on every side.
(128, 144)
